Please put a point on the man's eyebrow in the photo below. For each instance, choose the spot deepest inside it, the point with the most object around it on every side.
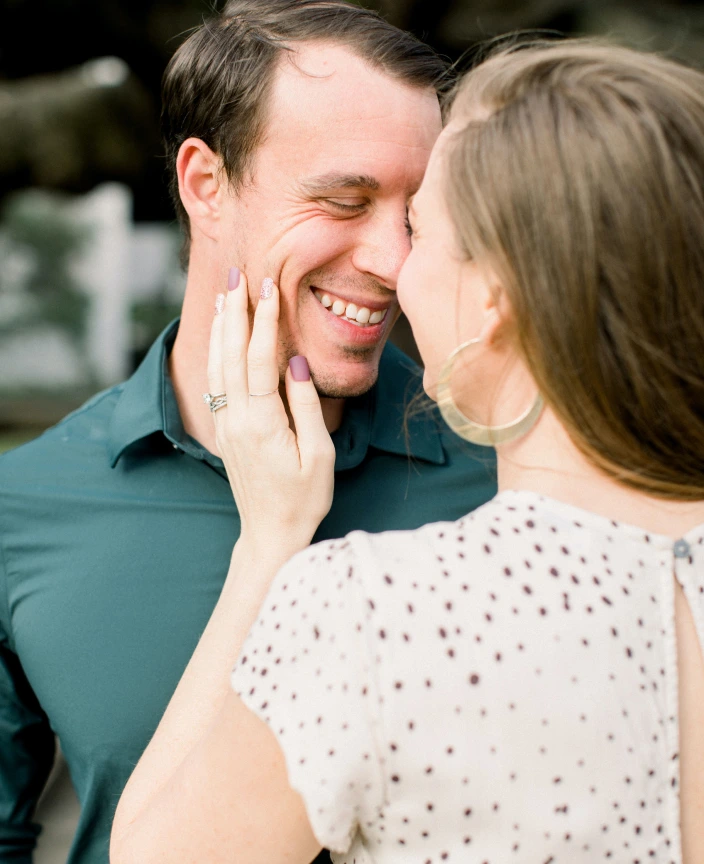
(333, 181)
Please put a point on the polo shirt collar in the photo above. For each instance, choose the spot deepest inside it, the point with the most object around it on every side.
(403, 420)
(147, 404)
(380, 419)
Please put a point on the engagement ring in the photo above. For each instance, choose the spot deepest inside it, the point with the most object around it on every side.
(219, 400)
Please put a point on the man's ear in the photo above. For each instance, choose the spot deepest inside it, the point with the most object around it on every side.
(198, 169)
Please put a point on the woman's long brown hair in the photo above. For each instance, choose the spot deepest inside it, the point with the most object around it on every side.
(584, 189)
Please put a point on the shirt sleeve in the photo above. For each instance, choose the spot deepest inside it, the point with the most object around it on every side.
(306, 670)
(27, 748)
(26, 756)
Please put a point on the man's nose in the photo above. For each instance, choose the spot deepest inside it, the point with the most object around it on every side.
(382, 247)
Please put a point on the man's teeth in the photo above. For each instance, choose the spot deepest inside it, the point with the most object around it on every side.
(363, 315)
(358, 314)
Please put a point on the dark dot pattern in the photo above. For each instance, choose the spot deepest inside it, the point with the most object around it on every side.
(502, 688)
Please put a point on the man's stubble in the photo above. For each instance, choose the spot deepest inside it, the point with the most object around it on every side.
(325, 383)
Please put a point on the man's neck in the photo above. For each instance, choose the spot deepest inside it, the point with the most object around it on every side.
(188, 365)
(333, 410)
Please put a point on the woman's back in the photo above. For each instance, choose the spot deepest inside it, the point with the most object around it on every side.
(517, 696)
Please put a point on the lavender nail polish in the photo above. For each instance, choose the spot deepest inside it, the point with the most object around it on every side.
(233, 278)
(299, 368)
(267, 288)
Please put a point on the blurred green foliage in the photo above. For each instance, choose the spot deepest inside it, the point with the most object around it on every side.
(36, 223)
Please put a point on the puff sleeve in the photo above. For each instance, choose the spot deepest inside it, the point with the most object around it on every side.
(306, 669)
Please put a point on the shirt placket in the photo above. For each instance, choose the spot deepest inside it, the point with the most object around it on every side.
(677, 561)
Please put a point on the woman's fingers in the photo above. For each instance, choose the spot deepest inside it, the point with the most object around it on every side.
(235, 341)
(228, 343)
(289, 477)
(262, 356)
(314, 442)
(245, 368)
(216, 377)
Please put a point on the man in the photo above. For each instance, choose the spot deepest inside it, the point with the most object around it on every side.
(116, 526)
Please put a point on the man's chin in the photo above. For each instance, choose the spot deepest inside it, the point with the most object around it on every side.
(341, 377)
(330, 388)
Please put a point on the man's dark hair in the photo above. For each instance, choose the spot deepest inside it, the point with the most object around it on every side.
(218, 82)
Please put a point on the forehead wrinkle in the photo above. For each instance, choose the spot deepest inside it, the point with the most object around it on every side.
(334, 180)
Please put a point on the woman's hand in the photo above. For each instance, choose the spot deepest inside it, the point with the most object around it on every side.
(283, 482)
(282, 479)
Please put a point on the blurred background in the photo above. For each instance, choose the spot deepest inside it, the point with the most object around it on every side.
(89, 271)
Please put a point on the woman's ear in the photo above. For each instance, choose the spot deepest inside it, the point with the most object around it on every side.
(497, 310)
(198, 169)
(492, 326)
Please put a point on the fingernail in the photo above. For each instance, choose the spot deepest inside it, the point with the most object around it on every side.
(299, 368)
(219, 303)
(233, 278)
(267, 288)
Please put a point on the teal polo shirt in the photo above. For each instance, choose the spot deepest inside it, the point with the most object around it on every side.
(116, 530)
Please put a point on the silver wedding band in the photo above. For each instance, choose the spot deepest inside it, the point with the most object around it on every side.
(265, 394)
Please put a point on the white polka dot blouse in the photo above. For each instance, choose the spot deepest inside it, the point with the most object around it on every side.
(498, 689)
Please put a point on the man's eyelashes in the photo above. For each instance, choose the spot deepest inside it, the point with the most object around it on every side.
(352, 209)
(346, 208)
(408, 226)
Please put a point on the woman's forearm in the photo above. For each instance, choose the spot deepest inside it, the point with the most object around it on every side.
(280, 463)
(202, 689)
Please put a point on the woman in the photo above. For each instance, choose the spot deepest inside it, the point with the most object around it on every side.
(525, 684)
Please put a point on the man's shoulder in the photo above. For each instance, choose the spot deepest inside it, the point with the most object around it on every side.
(80, 435)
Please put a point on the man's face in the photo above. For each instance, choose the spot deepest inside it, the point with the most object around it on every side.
(345, 148)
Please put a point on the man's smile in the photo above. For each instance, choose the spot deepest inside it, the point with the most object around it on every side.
(356, 313)
(352, 322)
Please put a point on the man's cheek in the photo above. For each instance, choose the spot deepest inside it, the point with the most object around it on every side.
(298, 318)
(311, 243)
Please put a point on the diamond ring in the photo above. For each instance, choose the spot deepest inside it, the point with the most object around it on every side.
(218, 400)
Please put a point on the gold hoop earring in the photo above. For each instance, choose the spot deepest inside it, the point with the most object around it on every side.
(476, 433)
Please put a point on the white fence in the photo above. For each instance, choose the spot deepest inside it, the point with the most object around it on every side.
(119, 264)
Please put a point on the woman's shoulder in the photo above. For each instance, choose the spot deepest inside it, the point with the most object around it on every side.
(509, 524)
(421, 551)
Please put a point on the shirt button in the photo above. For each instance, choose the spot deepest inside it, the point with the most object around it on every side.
(681, 549)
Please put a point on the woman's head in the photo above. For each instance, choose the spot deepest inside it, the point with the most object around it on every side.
(569, 187)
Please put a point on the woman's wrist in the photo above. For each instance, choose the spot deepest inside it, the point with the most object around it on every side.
(260, 557)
